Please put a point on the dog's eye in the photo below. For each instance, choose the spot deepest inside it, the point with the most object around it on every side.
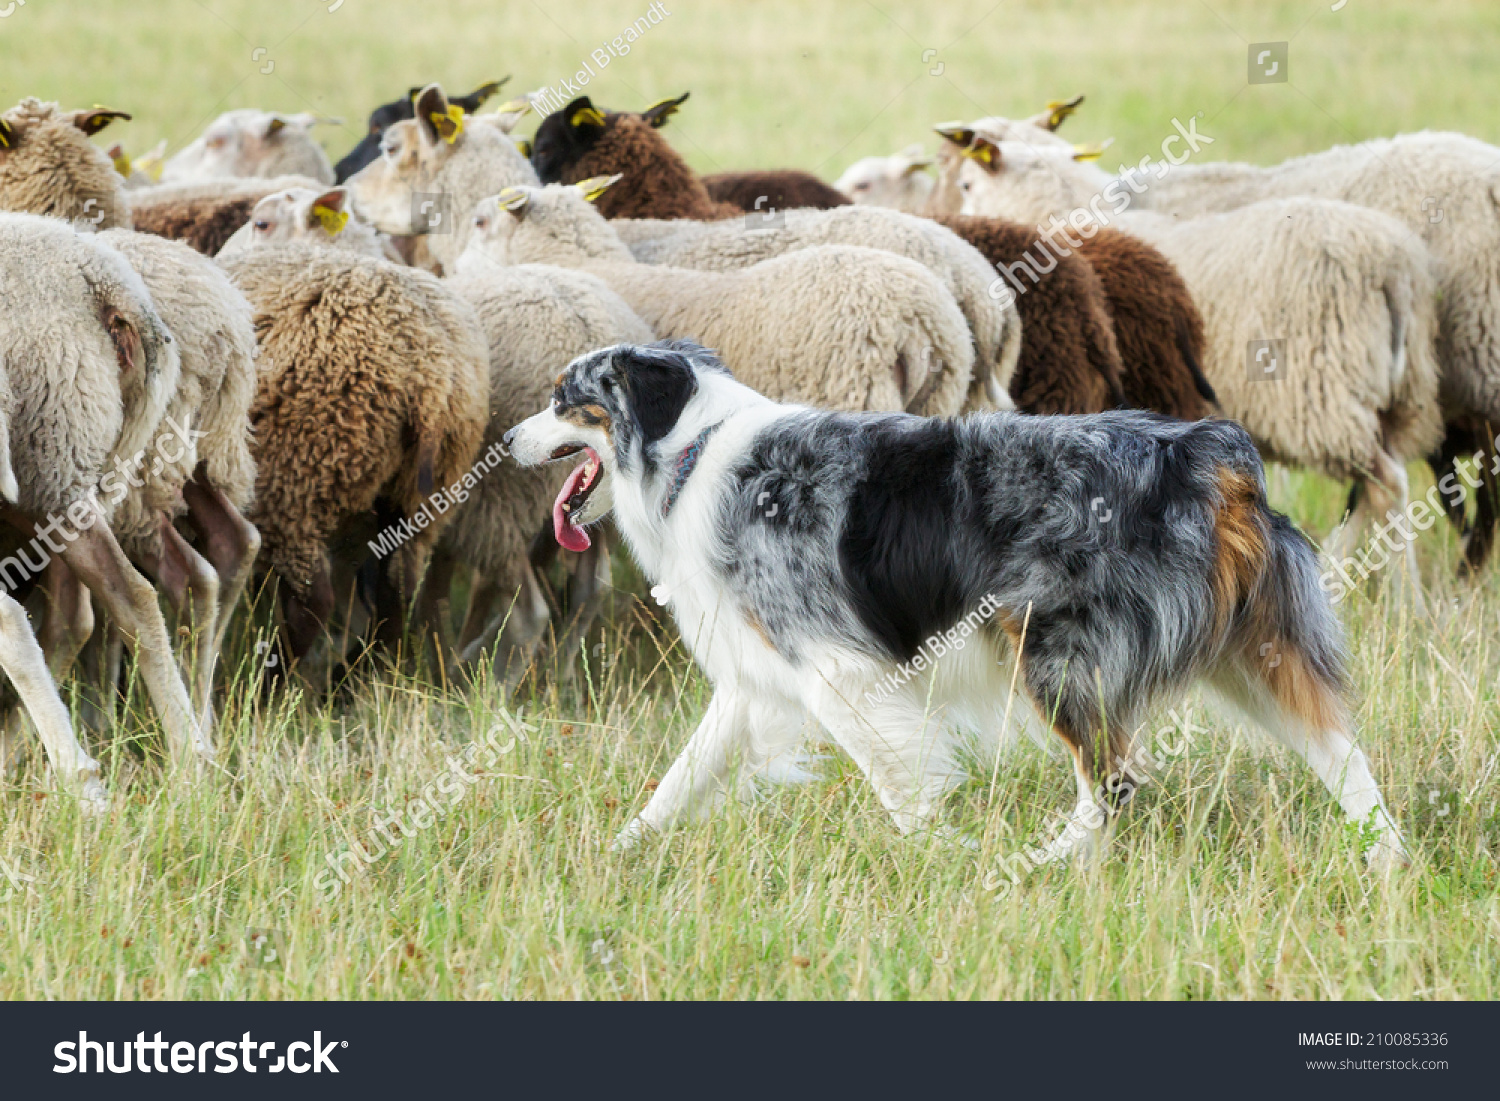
(607, 384)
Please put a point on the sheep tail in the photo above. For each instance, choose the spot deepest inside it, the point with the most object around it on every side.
(8, 486)
(1185, 344)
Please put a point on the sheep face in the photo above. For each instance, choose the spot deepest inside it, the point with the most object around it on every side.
(299, 213)
(564, 137)
(49, 166)
(556, 224)
(898, 181)
(382, 191)
(249, 142)
(1008, 179)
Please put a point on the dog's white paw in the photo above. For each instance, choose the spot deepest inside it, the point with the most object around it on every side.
(633, 834)
(1387, 856)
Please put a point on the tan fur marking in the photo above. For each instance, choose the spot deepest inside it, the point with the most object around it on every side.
(587, 416)
(1241, 545)
(759, 628)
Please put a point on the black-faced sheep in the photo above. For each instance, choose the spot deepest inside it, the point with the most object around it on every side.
(399, 110)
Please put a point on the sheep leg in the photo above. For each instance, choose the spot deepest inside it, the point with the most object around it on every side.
(99, 675)
(191, 585)
(69, 622)
(230, 542)
(590, 582)
(95, 556)
(482, 598)
(22, 659)
(435, 607)
(1381, 502)
(304, 616)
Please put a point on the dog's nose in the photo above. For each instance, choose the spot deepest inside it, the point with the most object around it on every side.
(510, 435)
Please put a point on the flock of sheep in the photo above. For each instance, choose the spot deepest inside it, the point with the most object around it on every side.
(226, 362)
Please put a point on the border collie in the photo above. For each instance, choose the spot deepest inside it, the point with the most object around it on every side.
(811, 558)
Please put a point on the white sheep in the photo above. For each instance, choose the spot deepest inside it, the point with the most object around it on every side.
(251, 142)
(898, 182)
(538, 320)
(1354, 390)
(318, 215)
(731, 244)
(836, 326)
(208, 477)
(432, 171)
(90, 368)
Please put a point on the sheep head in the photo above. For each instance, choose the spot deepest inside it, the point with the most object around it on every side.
(899, 181)
(49, 166)
(251, 142)
(556, 224)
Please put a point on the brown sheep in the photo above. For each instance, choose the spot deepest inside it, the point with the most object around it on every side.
(580, 142)
(773, 189)
(1069, 362)
(373, 395)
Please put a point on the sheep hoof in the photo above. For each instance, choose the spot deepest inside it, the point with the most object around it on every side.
(632, 835)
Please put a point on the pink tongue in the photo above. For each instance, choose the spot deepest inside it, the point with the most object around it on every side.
(569, 535)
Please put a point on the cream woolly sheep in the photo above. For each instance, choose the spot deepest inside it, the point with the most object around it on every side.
(90, 368)
(310, 214)
(729, 246)
(538, 320)
(438, 155)
(251, 142)
(211, 479)
(373, 386)
(899, 182)
(1347, 289)
(49, 166)
(1445, 188)
(836, 326)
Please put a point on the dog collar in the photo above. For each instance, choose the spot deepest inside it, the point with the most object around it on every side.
(687, 459)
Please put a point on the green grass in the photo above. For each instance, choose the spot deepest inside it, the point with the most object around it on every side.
(1232, 876)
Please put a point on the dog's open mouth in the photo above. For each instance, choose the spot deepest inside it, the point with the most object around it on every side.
(569, 504)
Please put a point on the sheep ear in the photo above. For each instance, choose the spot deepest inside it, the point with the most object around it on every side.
(7, 135)
(475, 99)
(121, 160)
(595, 186)
(1091, 151)
(96, 119)
(307, 120)
(275, 126)
(153, 160)
(523, 147)
(1057, 111)
(658, 113)
(328, 211)
(583, 116)
(515, 200)
(984, 152)
(956, 132)
(435, 116)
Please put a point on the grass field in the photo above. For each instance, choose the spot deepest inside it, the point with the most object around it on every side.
(1232, 876)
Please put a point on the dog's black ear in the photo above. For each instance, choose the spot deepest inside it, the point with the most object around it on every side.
(659, 383)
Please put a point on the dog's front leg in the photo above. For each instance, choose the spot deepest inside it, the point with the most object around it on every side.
(693, 786)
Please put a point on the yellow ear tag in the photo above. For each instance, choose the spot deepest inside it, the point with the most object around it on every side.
(595, 186)
(122, 164)
(1060, 110)
(4, 136)
(523, 147)
(333, 221)
(451, 125)
(1090, 152)
(980, 152)
(586, 114)
(513, 199)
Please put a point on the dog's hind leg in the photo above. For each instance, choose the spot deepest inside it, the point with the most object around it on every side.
(694, 785)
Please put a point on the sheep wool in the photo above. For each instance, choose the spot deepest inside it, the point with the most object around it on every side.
(250, 142)
(372, 382)
(841, 327)
(49, 166)
(212, 326)
(729, 246)
(772, 189)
